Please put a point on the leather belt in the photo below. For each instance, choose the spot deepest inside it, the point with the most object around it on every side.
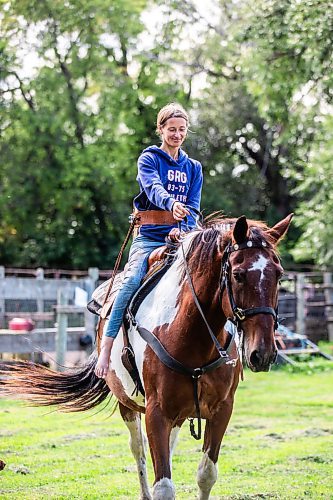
(158, 217)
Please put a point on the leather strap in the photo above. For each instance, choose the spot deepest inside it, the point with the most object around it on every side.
(168, 360)
(158, 217)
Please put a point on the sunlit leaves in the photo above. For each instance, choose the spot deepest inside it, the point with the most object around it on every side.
(315, 212)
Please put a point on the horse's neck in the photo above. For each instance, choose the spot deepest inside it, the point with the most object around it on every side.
(174, 312)
(172, 300)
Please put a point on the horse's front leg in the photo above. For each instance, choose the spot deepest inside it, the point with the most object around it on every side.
(214, 432)
(138, 447)
(158, 432)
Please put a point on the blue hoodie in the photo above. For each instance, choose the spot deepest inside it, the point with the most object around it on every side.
(163, 181)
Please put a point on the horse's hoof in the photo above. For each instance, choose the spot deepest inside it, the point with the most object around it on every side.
(164, 490)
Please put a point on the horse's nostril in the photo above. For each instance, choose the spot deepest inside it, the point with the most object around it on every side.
(255, 358)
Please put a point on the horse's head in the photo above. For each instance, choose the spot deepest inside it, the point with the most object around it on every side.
(251, 271)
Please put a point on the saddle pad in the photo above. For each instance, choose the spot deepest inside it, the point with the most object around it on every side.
(97, 301)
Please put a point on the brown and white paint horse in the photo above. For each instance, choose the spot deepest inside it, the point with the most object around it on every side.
(170, 312)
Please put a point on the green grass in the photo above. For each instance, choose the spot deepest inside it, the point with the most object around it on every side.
(279, 445)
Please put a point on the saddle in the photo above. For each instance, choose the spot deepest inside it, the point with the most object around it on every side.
(102, 305)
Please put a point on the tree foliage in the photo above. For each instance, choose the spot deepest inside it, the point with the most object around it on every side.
(315, 211)
(292, 80)
(72, 131)
(81, 85)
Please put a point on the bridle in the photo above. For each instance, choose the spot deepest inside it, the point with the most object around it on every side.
(239, 314)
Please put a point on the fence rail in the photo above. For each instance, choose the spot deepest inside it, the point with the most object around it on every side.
(305, 301)
(39, 340)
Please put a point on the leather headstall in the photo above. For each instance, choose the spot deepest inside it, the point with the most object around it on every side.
(239, 314)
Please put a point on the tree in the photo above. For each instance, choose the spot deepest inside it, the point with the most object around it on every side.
(292, 80)
(246, 150)
(72, 129)
(256, 77)
(268, 74)
(315, 211)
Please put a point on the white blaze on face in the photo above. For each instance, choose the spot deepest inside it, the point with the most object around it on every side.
(259, 265)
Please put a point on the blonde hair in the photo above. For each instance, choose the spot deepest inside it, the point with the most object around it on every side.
(172, 110)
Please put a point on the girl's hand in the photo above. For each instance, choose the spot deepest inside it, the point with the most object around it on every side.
(175, 235)
(179, 211)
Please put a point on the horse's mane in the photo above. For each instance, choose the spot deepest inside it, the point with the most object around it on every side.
(215, 232)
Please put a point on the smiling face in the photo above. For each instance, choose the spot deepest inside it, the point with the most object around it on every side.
(173, 132)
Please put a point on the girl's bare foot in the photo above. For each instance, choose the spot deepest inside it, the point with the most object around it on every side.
(102, 367)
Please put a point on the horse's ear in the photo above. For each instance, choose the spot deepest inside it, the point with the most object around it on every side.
(240, 230)
(279, 230)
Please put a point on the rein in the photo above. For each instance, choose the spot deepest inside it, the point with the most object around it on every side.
(223, 352)
(105, 306)
(239, 314)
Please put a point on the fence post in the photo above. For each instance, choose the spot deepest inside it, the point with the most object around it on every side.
(300, 306)
(328, 292)
(39, 273)
(61, 335)
(2, 299)
(40, 300)
(93, 275)
(91, 283)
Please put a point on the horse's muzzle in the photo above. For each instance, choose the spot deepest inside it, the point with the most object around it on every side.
(261, 361)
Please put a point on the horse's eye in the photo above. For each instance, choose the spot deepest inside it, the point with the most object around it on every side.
(239, 275)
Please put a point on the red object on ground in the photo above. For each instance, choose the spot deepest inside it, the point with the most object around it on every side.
(21, 324)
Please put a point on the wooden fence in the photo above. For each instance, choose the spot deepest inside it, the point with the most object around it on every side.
(49, 298)
(36, 297)
(306, 301)
(62, 325)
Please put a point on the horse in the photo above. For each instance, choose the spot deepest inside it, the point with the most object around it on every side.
(228, 269)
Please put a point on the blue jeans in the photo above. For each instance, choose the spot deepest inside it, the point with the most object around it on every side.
(137, 268)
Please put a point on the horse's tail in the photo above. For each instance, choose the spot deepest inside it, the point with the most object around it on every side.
(74, 390)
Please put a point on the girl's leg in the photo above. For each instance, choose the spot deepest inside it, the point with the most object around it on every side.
(137, 268)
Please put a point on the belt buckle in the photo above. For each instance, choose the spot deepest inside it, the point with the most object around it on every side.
(133, 217)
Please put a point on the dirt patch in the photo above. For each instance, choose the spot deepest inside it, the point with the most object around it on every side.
(251, 496)
(312, 432)
(275, 436)
(246, 426)
(6, 433)
(317, 459)
(20, 469)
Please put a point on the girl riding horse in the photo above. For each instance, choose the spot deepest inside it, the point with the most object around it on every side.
(168, 180)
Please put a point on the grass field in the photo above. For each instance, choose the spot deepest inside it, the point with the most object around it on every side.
(279, 445)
